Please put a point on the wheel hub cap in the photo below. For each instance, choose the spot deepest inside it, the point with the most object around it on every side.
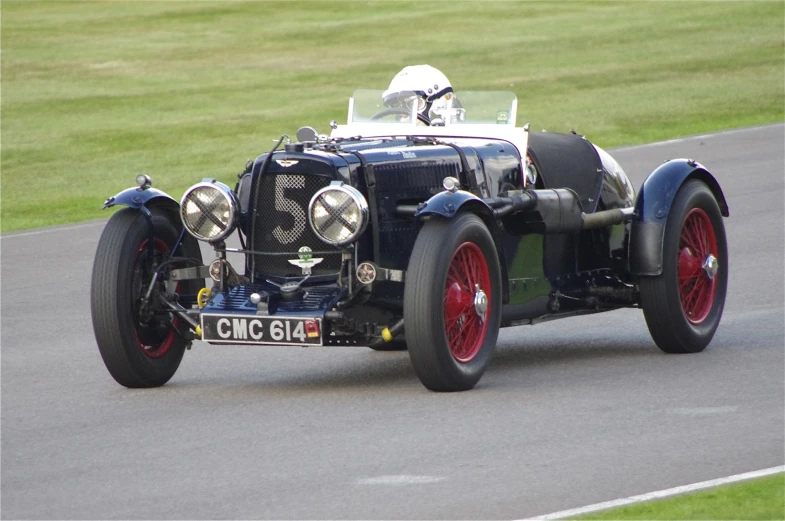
(711, 265)
(480, 302)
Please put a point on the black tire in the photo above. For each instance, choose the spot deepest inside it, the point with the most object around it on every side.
(137, 352)
(683, 319)
(445, 247)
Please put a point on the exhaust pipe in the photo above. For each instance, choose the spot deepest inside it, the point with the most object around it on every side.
(560, 212)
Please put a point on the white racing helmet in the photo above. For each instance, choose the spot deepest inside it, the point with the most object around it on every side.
(422, 86)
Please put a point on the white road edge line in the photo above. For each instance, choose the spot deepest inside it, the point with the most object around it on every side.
(657, 495)
(630, 147)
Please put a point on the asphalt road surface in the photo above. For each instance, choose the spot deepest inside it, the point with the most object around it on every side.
(569, 413)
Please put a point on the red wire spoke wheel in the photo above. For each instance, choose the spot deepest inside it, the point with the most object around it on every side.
(452, 302)
(683, 304)
(464, 326)
(697, 246)
(138, 341)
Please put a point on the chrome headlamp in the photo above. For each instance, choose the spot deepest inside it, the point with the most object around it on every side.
(338, 214)
(209, 210)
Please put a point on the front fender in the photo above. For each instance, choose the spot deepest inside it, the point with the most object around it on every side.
(136, 198)
(145, 199)
(652, 207)
(447, 204)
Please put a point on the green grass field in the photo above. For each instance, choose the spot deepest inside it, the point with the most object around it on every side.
(94, 93)
(760, 499)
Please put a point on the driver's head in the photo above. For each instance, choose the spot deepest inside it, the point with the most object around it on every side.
(418, 86)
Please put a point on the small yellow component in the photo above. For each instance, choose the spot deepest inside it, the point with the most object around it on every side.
(202, 297)
(386, 335)
(198, 331)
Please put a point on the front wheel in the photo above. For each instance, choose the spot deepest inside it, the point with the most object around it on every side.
(683, 305)
(137, 337)
(452, 302)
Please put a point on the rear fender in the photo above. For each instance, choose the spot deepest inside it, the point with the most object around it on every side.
(652, 207)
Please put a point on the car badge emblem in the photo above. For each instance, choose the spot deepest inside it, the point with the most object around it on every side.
(306, 261)
(286, 163)
(366, 273)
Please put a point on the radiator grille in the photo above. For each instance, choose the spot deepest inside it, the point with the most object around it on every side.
(395, 177)
(280, 225)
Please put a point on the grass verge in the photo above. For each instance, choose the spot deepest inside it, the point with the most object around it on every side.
(94, 93)
(760, 499)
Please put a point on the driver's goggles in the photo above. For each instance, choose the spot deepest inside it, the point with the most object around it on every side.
(413, 102)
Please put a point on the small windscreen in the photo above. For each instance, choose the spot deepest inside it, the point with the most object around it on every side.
(458, 108)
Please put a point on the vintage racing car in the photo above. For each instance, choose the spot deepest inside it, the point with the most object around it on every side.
(409, 228)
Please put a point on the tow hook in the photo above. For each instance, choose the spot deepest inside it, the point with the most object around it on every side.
(388, 333)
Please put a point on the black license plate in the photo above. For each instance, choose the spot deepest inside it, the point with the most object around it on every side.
(254, 329)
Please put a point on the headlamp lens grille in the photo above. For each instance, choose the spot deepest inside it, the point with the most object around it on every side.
(208, 212)
(338, 216)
